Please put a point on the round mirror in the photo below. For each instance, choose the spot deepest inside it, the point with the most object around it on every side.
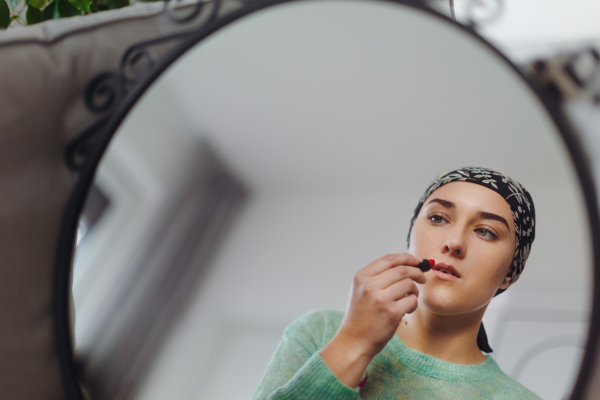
(281, 155)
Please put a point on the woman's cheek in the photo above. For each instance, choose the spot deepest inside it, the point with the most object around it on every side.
(484, 287)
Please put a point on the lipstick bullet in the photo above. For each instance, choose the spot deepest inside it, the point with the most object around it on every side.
(425, 265)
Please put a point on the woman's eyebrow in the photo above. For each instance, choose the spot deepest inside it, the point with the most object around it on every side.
(482, 214)
(445, 203)
(487, 215)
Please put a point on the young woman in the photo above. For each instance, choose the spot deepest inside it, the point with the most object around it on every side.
(413, 335)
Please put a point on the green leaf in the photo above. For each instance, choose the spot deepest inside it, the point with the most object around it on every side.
(33, 15)
(65, 9)
(81, 4)
(4, 15)
(39, 4)
(113, 4)
(50, 12)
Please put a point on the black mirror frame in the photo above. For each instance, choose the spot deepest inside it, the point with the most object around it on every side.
(91, 145)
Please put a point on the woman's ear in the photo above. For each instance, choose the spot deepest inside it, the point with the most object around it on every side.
(505, 282)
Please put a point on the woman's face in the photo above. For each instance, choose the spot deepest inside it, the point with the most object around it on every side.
(471, 228)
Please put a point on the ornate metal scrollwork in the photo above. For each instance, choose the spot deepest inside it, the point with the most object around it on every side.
(570, 76)
(588, 76)
(472, 13)
(483, 12)
(189, 15)
(104, 92)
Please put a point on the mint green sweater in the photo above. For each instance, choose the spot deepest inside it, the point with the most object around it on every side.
(297, 371)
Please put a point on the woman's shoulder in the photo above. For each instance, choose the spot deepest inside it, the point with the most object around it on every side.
(515, 390)
(510, 388)
(316, 327)
(318, 320)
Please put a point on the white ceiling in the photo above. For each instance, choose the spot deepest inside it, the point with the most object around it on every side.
(341, 94)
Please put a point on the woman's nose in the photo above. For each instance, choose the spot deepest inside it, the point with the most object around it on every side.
(455, 248)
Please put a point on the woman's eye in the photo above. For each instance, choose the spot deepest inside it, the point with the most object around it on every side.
(436, 219)
(484, 233)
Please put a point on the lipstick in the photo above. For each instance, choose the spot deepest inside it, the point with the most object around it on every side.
(425, 265)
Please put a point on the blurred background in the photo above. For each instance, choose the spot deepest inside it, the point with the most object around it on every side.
(286, 152)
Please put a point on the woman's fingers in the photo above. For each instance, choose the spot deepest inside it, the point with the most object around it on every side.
(401, 289)
(388, 261)
(382, 293)
(407, 304)
(395, 274)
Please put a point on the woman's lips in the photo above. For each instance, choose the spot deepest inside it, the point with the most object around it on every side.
(445, 272)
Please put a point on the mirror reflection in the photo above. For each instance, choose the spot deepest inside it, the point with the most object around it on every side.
(286, 153)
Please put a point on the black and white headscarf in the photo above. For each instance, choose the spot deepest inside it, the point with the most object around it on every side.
(521, 205)
(517, 197)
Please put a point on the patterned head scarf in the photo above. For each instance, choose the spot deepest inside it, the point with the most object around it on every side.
(521, 205)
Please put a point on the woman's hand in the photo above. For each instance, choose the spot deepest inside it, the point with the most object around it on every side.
(382, 293)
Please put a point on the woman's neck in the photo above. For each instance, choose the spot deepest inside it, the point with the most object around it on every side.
(449, 338)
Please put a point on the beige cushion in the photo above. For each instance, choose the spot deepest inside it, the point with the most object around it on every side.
(43, 72)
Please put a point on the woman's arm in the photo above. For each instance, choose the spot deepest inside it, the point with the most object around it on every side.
(304, 367)
(382, 293)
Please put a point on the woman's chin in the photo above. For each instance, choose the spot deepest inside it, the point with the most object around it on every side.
(449, 301)
(443, 302)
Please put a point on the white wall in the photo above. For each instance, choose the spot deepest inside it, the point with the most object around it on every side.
(141, 171)
(290, 253)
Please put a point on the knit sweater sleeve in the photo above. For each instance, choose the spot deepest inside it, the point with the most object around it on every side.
(297, 371)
